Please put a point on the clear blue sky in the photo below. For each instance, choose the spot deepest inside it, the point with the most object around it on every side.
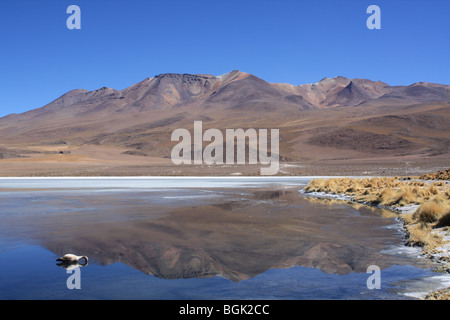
(294, 41)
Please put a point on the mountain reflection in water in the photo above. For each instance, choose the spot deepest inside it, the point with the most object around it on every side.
(235, 233)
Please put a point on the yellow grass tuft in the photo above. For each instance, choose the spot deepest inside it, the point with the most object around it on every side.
(440, 175)
(421, 235)
(430, 212)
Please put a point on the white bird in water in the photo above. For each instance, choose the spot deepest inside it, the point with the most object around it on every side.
(72, 258)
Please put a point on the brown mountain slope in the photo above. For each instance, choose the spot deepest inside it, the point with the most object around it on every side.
(336, 121)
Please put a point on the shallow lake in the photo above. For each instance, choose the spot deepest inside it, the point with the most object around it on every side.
(198, 238)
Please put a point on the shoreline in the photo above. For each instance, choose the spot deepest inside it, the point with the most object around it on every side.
(439, 254)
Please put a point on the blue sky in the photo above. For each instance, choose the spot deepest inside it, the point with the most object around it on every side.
(294, 41)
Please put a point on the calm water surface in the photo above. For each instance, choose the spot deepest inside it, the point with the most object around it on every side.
(197, 238)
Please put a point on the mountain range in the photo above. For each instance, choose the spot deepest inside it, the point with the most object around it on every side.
(333, 120)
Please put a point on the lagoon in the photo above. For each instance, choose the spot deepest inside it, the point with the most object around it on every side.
(198, 238)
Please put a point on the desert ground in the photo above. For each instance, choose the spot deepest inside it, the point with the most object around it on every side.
(67, 160)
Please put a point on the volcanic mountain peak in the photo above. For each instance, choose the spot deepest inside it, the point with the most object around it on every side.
(315, 118)
(326, 81)
(75, 92)
(352, 95)
(236, 89)
(182, 76)
(233, 75)
(187, 77)
(317, 93)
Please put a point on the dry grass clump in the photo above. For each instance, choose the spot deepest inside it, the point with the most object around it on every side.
(435, 212)
(384, 191)
(420, 235)
(440, 175)
(429, 212)
(443, 294)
